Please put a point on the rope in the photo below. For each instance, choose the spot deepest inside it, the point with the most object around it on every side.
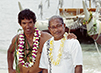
(98, 53)
(97, 48)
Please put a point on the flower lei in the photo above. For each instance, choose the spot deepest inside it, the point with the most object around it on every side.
(87, 21)
(94, 27)
(59, 52)
(34, 49)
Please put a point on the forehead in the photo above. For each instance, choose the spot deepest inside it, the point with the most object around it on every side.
(27, 20)
(55, 21)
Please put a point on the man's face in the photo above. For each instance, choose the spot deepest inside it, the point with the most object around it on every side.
(27, 25)
(56, 28)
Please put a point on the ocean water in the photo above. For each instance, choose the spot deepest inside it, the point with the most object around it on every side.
(9, 26)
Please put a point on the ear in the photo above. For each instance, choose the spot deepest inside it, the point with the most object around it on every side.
(48, 28)
(64, 25)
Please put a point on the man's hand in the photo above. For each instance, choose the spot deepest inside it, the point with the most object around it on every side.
(12, 71)
(71, 36)
(78, 69)
(45, 71)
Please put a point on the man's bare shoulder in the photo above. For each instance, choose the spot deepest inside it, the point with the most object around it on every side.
(14, 42)
(15, 39)
(46, 35)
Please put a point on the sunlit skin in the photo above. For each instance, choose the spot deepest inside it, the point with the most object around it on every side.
(57, 29)
(28, 27)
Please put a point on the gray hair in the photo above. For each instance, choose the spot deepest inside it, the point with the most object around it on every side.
(55, 17)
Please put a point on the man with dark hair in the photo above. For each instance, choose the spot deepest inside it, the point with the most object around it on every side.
(26, 47)
(60, 55)
(26, 14)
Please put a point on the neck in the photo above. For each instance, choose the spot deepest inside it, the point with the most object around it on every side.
(29, 36)
(56, 39)
(59, 38)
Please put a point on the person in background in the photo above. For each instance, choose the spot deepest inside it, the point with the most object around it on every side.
(26, 47)
(59, 54)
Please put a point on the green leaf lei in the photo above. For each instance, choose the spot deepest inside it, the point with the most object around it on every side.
(93, 29)
(15, 55)
(22, 53)
(87, 21)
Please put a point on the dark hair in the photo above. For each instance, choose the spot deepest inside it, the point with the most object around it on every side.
(26, 14)
(56, 17)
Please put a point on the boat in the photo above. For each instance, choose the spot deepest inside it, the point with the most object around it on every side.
(73, 18)
(78, 15)
(93, 23)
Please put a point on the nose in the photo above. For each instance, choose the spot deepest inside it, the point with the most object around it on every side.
(56, 29)
(27, 25)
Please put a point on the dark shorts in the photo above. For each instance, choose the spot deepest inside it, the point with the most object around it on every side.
(40, 72)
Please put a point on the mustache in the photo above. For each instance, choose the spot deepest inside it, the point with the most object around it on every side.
(57, 32)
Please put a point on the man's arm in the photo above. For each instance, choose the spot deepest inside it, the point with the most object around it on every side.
(78, 69)
(10, 56)
(45, 71)
(76, 52)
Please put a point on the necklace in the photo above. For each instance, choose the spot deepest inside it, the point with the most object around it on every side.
(60, 51)
(88, 21)
(34, 49)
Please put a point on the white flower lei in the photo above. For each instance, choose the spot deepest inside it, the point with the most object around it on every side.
(34, 49)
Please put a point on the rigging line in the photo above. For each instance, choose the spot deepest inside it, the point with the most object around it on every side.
(48, 3)
(41, 9)
(97, 48)
(98, 52)
(59, 4)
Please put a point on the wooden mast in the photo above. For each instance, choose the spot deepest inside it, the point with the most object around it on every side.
(89, 3)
